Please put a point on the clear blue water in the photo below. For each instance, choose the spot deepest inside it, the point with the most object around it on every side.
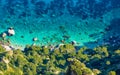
(85, 21)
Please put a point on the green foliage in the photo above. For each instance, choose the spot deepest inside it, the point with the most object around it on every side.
(45, 50)
(112, 73)
(14, 71)
(9, 73)
(96, 71)
(117, 52)
(77, 68)
(18, 59)
(68, 48)
(61, 63)
(29, 69)
(81, 54)
(16, 52)
(35, 48)
(56, 52)
(36, 60)
(1, 49)
(3, 66)
(101, 51)
(107, 62)
(29, 50)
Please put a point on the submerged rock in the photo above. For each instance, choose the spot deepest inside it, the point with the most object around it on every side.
(35, 39)
(22, 36)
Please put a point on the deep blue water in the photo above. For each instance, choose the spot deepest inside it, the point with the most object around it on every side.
(89, 22)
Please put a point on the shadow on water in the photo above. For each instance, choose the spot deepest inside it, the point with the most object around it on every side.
(111, 36)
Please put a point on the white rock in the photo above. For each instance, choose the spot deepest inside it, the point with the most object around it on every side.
(4, 35)
(60, 45)
(35, 39)
(11, 32)
(74, 42)
(7, 48)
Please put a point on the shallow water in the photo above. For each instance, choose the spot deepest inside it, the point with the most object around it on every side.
(52, 21)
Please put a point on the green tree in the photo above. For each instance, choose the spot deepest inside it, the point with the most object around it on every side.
(45, 50)
(102, 51)
(112, 73)
(1, 49)
(29, 69)
(81, 54)
(77, 68)
(68, 48)
(3, 66)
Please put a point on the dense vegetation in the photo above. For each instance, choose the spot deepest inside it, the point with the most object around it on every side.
(62, 60)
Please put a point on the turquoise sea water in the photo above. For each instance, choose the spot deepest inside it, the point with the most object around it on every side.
(34, 19)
